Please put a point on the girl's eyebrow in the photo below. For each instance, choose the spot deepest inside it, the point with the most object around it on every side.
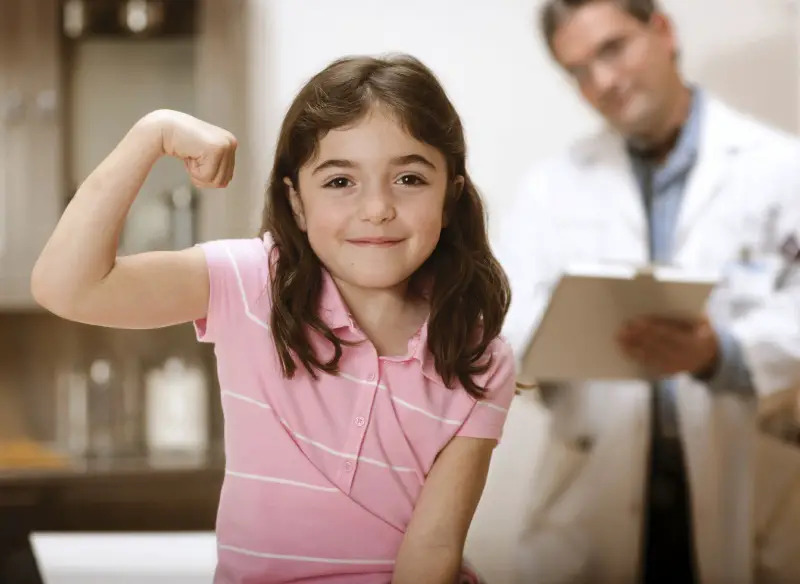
(398, 161)
(412, 158)
(334, 162)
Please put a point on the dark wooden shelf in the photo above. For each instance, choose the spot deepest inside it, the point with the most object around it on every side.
(117, 495)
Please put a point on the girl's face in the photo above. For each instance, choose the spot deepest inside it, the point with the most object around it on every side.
(372, 202)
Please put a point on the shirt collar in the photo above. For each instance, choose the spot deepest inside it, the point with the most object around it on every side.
(418, 351)
(684, 152)
(335, 313)
(688, 144)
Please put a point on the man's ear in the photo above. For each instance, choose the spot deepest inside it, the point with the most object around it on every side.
(455, 191)
(296, 203)
(663, 26)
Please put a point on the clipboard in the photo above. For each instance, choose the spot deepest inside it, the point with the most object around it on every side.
(575, 339)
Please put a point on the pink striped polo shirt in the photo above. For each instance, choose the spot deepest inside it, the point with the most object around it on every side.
(322, 475)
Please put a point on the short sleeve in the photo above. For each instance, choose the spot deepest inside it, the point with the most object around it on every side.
(488, 416)
(238, 274)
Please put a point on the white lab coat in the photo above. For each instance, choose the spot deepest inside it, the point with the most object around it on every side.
(586, 505)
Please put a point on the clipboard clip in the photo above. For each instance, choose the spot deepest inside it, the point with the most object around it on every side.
(647, 272)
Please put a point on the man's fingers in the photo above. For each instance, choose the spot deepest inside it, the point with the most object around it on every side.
(661, 349)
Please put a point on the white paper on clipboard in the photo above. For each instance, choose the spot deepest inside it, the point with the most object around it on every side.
(575, 339)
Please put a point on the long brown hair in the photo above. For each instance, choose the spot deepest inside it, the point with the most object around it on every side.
(470, 293)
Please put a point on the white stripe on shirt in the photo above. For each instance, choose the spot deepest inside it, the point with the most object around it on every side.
(277, 480)
(314, 443)
(245, 303)
(267, 555)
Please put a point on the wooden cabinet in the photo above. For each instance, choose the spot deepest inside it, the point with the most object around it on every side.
(38, 125)
(31, 145)
(230, 92)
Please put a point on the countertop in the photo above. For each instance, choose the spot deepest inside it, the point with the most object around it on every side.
(126, 558)
(82, 470)
(124, 494)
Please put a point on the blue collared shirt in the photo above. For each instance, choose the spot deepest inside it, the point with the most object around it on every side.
(667, 189)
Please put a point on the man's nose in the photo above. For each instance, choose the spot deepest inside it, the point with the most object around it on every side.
(604, 79)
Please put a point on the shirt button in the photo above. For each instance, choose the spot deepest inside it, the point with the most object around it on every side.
(348, 466)
(371, 377)
(360, 421)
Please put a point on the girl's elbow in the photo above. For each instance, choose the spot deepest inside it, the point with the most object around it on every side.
(41, 287)
(48, 293)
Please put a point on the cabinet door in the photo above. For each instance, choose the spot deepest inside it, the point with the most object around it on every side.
(11, 118)
(228, 61)
(31, 185)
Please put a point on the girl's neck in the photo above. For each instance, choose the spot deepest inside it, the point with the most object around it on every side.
(389, 317)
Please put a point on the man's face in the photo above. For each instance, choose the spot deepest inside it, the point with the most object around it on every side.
(623, 67)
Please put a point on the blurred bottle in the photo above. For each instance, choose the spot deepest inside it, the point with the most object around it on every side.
(102, 380)
(72, 411)
(183, 213)
(98, 413)
(176, 409)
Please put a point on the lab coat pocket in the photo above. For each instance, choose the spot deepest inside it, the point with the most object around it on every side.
(745, 285)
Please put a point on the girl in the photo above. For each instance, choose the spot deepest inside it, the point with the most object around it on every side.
(363, 383)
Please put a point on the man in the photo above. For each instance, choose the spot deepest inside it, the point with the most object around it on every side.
(642, 481)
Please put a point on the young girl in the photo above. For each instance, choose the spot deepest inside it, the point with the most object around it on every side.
(363, 382)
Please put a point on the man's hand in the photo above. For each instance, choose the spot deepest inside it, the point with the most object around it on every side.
(669, 346)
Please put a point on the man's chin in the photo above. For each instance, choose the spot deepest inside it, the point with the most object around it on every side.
(633, 124)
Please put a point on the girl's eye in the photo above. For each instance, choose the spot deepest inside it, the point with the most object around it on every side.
(411, 180)
(340, 182)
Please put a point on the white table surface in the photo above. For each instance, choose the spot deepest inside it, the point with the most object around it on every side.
(130, 558)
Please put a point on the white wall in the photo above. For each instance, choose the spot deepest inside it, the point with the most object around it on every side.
(746, 51)
(515, 105)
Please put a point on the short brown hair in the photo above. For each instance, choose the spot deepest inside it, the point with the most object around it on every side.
(555, 12)
(470, 293)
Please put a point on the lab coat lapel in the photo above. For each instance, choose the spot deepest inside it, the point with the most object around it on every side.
(719, 143)
(609, 171)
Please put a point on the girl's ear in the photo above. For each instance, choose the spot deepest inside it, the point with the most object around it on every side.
(455, 190)
(296, 203)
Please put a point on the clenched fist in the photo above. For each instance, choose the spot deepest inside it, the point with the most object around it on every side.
(208, 152)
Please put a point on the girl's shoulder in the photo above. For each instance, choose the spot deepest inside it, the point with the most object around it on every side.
(239, 277)
(487, 417)
(503, 363)
(498, 377)
(245, 261)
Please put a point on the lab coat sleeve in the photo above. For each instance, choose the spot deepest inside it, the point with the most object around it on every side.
(522, 241)
(769, 335)
(733, 374)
